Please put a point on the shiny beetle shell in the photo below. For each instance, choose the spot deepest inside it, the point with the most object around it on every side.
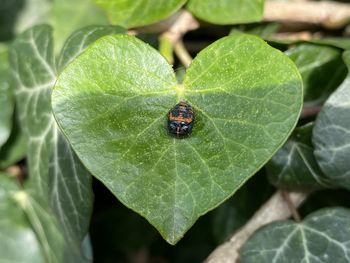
(180, 119)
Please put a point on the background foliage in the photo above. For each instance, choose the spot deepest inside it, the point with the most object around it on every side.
(83, 137)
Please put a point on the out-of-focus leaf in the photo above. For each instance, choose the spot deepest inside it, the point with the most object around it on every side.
(15, 148)
(9, 10)
(6, 97)
(294, 166)
(18, 243)
(134, 13)
(323, 236)
(263, 30)
(56, 175)
(34, 12)
(244, 113)
(331, 135)
(227, 11)
(321, 68)
(67, 16)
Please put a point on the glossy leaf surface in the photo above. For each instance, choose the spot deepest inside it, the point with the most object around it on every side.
(119, 92)
(294, 166)
(133, 13)
(321, 68)
(323, 236)
(227, 11)
(331, 135)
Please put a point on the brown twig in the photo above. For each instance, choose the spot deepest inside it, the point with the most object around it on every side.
(310, 111)
(182, 53)
(185, 22)
(326, 13)
(291, 206)
(274, 209)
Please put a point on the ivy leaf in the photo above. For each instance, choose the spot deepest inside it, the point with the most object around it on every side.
(321, 68)
(14, 149)
(16, 233)
(131, 13)
(67, 16)
(294, 166)
(6, 97)
(80, 39)
(56, 175)
(119, 92)
(323, 236)
(331, 134)
(227, 11)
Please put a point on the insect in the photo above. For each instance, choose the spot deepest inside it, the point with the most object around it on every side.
(180, 119)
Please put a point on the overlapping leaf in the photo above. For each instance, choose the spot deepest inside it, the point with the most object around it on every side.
(18, 243)
(133, 13)
(227, 11)
(118, 93)
(56, 174)
(6, 97)
(331, 136)
(294, 166)
(322, 237)
(321, 68)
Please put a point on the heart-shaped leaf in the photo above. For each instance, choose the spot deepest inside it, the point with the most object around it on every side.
(112, 102)
(227, 11)
(322, 237)
(331, 135)
(133, 13)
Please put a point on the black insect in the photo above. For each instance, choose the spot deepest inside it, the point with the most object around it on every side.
(181, 119)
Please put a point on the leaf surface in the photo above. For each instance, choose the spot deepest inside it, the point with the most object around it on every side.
(227, 11)
(119, 92)
(294, 166)
(56, 174)
(6, 97)
(321, 68)
(15, 231)
(323, 236)
(331, 136)
(134, 13)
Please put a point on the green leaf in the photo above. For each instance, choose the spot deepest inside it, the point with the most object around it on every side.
(56, 174)
(14, 149)
(9, 10)
(227, 11)
(323, 236)
(6, 97)
(331, 136)
(131, 13)
(294, 166)
(67, 16)
(33, 12)
(321, 68)
(80, 39)
(112, 101)
(18, 243)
